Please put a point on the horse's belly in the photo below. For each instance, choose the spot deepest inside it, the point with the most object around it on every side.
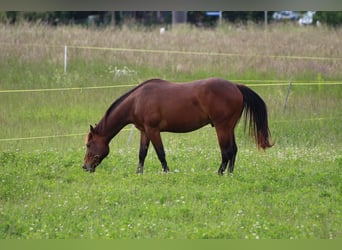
(185, 120)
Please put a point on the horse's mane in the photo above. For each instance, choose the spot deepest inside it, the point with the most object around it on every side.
(121, 99)
(124, 96)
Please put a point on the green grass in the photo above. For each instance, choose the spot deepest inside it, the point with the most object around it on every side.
(292, 190)
(289, 192)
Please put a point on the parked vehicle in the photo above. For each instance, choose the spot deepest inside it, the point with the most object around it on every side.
(285, 15)
(307, 18)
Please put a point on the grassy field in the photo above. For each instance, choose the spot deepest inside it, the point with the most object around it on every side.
(292, 191)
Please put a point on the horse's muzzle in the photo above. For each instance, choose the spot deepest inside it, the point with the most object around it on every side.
(89, 168)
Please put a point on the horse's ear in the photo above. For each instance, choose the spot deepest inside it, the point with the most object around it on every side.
(91, 129)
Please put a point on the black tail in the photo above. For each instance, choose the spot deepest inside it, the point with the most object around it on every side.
(256, 111)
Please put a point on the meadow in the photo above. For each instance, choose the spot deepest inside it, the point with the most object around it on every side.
(291, 191)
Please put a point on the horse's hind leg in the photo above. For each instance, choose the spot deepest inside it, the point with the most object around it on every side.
(144, 144)
(233, 155)
(228, 148)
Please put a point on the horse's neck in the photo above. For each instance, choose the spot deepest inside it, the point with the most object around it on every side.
(112, 124)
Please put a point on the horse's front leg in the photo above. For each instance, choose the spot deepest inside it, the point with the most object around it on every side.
(144, 144)
(154, 135)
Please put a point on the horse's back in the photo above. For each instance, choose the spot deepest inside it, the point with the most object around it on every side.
(208, 93)
(209, 84)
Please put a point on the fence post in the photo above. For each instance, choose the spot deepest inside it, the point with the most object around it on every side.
(65, 58)
(265, 19)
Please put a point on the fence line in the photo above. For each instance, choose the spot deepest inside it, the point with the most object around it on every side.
(162, 51)
(131, 130)
(39, 137)
(64, 89)
(267, 83)
(47, 136)
(309, 119)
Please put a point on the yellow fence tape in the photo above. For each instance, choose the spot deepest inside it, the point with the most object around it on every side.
(126, 129)
(262, 83)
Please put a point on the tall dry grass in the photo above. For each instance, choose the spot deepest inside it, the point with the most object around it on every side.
(251, 46)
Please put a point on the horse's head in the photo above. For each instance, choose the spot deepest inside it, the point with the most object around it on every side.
(97, 150)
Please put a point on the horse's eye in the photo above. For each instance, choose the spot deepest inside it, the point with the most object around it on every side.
(88, 145)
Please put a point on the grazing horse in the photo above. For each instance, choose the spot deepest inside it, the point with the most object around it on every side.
(157, 105)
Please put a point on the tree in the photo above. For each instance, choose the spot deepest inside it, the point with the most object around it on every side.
(333, 18)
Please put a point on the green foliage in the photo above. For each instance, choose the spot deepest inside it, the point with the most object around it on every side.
(332, 18)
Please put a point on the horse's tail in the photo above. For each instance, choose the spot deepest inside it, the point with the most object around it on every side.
(256, 111)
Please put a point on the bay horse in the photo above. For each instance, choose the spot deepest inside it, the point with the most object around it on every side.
(157, 105)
